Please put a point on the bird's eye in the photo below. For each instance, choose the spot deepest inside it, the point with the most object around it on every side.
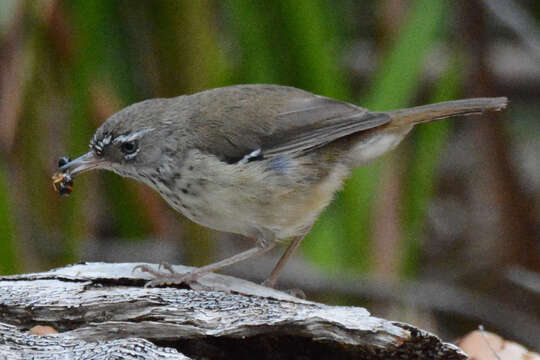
(128, 147)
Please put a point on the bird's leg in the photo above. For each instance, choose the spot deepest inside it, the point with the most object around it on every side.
(174, 278)
(272, 279)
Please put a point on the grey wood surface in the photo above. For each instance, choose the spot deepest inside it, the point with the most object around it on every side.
(104, 312)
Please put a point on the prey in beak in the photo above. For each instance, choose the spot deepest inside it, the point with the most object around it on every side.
(67, 168)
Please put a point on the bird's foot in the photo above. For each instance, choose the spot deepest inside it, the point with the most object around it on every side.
(297, 293)
(157, 273)
(169, 277)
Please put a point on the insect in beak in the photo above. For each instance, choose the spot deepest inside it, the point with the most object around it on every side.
(62, 179)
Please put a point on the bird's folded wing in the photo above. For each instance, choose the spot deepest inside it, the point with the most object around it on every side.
(293, 124)
(322, 121)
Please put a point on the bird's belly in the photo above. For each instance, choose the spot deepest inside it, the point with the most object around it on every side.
(251, 201)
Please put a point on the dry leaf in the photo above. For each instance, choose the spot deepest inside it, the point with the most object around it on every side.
(42, 330)
(483, 345)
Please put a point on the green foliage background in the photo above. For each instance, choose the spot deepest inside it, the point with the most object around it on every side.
(80, 61)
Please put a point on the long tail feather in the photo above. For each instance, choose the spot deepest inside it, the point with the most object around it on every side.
(446, 109)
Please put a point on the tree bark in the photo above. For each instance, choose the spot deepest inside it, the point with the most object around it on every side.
(103, 310)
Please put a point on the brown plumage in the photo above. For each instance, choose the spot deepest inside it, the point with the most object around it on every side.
(258, 160)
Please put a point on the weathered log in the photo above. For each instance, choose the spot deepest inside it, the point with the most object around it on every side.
(104, 309)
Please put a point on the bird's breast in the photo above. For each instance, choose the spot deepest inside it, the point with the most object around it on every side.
(281, 195)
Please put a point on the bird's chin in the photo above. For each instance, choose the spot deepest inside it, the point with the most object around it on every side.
(122, 170)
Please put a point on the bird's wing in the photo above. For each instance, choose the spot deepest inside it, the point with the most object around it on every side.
(316, 123)
(262, 121)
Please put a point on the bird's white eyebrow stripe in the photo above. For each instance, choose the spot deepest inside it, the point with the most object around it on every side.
(130, 137)
(106, 140)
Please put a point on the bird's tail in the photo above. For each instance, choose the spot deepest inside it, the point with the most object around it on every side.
(445, 109)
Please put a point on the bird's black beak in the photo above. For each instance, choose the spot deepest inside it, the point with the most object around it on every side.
(81, 164)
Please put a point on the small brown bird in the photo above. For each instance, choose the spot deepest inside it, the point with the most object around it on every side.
(258, 160)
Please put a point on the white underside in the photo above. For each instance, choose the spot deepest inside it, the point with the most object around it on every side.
(374, 147)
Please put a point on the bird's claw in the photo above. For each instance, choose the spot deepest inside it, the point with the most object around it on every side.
(167, 267)
(147, 269)
(297, 293)
(169, 278)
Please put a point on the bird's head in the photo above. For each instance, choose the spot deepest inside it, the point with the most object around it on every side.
(128, 141)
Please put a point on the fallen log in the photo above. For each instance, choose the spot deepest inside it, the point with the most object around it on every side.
(101, 309)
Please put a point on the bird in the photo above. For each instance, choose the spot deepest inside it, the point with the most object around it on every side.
(258, 160)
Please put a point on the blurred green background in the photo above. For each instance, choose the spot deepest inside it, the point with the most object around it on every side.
(455, 207)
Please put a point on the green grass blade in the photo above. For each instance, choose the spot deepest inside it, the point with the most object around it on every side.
(395, 85)
(8, 262)
(429, 142)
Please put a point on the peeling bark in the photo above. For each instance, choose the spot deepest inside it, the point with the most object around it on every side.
(105, 309)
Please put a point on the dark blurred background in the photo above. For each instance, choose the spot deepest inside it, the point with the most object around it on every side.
(443, 232)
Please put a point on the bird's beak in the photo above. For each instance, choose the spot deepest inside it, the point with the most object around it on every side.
(81, 164)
